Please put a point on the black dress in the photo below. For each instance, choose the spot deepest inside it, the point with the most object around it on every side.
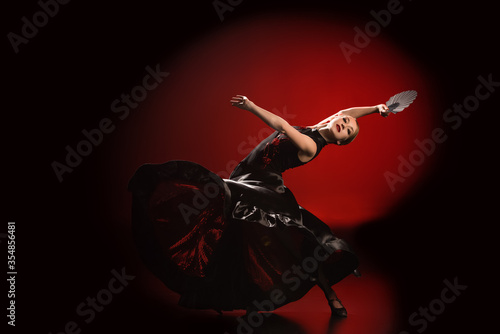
(231, 243)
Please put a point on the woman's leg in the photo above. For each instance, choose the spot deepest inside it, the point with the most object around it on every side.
(334, 302)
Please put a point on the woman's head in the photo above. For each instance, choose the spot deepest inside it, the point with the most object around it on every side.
(343, 129)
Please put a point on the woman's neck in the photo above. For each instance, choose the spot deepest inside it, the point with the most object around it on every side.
(325, 133)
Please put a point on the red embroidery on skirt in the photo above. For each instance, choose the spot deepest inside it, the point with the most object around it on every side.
(192, 251)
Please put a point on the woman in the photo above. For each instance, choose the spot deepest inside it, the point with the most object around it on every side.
(244, 242)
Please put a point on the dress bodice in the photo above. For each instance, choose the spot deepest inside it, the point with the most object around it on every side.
(277, 153)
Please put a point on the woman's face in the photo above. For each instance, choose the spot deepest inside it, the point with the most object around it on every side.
(342, 127)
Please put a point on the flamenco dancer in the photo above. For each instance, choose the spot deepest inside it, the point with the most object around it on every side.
(244, 242)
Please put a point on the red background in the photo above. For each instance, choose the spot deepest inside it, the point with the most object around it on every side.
(291, 65)
(435, 226)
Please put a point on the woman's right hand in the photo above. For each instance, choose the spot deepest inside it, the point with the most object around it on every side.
(383, 110)
(241, 102)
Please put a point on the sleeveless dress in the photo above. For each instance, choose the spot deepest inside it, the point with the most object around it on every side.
(229, 244)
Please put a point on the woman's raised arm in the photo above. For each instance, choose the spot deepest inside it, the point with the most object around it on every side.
(307, 147)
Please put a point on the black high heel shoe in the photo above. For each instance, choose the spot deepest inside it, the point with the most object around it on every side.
(338, 311)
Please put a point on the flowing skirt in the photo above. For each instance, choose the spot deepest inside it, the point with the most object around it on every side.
(230, 243)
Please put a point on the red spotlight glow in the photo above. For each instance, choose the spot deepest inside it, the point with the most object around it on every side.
(292, 65)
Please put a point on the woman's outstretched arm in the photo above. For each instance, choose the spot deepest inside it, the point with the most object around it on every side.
(357, 112)
(307, 147)
(274, 121)
(363, 111)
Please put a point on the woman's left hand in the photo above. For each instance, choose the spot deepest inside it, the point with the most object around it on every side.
(383, 110)
(241, 102)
